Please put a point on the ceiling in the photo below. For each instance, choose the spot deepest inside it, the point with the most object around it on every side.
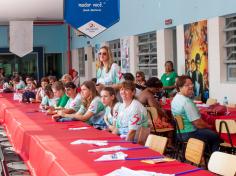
(22, 10)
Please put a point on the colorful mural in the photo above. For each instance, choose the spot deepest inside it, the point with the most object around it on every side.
(196, 57)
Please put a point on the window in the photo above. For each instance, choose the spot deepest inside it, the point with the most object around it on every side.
(82, 59)
(115, 49)
(230, 46)
(147, 54)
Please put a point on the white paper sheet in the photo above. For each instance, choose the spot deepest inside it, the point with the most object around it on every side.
(94, 142)
(78, 128)
(112, 157)
(107, 149)
(126, 171)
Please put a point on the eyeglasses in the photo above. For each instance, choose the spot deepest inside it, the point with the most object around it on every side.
(104, 54)
(137, 76)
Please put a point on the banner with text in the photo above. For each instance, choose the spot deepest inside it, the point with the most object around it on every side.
(92, 16)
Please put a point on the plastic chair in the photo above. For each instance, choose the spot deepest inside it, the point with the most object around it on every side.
(194, 151)
(157, 143)
(229, 127)
(222, 163)
(211, 101)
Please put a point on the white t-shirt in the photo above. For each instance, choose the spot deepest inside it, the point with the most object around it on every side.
(74, 103)
(131, 117)
(184, 106)
(112, 116)
(97, 108)
(111, 77)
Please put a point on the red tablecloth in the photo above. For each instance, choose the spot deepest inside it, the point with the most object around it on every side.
(45, 145)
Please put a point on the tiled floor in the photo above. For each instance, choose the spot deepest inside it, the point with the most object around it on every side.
(15, 165)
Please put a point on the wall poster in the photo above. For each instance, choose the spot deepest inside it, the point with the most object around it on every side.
(125, 60)
(196, 57)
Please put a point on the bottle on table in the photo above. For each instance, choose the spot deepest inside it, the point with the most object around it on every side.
(225, 101)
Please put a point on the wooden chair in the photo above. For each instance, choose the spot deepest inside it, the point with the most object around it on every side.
(229, 127)
(179, 142)
(194, 151)
(153, 115)
(157, 143)
(222, 163)
(141, 135)
(211, 101)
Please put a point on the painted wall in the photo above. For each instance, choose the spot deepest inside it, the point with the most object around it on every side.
(52, 38)
(140, 16)
(219, 87)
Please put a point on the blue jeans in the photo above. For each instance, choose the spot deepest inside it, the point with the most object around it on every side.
(208, 136)
(65, 119)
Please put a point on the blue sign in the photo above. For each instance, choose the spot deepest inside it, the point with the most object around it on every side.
(92, 16)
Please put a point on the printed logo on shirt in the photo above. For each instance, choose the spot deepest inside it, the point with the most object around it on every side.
(91, 108)
(115, 114)
(136, 116)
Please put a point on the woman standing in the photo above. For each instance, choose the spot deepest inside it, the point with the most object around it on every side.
(108, 97)
(168, 78)
(108, 72)
(92, 109)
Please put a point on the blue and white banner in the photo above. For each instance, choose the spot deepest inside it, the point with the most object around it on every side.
(92, 16)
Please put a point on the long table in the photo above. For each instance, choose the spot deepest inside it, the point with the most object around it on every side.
(45, 147)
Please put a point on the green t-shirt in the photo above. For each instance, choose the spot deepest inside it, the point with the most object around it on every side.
(62, 101)
(168, 80)
(185, 107)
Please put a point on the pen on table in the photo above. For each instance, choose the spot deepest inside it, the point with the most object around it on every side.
(188, 171)
(134, 148)
(118, 141)
(145, 158)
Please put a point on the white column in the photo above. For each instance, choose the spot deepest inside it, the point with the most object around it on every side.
(164, 49)
(88, 52)
(74, 59)
(134, 60)
(180, 49)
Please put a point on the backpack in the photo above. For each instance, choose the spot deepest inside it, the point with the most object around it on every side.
(27, 95)
(217, 109)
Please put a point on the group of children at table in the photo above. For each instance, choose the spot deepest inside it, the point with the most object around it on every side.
(117, 103)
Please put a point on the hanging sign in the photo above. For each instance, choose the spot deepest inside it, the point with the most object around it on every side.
(21, 37)
(92, 16)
